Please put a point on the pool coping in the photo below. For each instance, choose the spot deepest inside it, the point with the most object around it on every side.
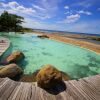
(6, 41)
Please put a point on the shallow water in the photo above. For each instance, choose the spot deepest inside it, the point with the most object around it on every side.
(73, 60)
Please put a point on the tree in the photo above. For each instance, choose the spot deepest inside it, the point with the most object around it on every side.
(10, 22)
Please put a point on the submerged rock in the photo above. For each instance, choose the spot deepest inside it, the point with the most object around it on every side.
(43, 36)
(10, 71)
(48, 77)
(15, 57)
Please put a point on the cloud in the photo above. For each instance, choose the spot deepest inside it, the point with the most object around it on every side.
(83, 27)
(68, 12)
(35, 24)
(13, 4)
(38, 7)
(14, 7)
(84, 12)
(71, 18)
(66, 7)
(86, 3)
(43, 9)
(25, 10)
(46, 8)
(10, 4)
(98, 9)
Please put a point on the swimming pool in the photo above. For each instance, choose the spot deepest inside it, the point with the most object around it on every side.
(73, 60)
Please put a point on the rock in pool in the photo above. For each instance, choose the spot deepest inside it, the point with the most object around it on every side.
(43, 36)
(48, 77)
(15, 57)
(10, 71)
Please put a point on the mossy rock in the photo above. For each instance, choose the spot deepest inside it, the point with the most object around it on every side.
(48, 77)
(10, 71)
(15, 57)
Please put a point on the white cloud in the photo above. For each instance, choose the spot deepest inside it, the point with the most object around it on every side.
(25, 10)
(13, 4)
(41, 25)
(38, 7)
(3, 5)
(98, 9)
(85, 12)
(71, 18)
(10, 4)
(46, 8)
(14, 7)
(70, 12)
(83, 27)
(85, 3)
(43, 9)
(66, 7)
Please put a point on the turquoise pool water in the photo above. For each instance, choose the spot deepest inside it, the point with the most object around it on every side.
(73, 60)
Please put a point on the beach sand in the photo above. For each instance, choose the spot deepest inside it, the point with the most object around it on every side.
(84, 44)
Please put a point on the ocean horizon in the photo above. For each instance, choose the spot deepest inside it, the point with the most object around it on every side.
(65, 32)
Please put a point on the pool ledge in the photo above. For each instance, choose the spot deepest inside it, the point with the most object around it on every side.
(4, 45)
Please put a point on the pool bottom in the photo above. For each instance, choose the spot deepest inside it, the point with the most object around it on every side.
(74, 61)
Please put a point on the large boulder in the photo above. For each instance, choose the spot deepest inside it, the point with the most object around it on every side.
(48, 77)
(15, 57)
(10, 71)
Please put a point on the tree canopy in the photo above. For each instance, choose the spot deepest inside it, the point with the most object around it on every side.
(10, 22)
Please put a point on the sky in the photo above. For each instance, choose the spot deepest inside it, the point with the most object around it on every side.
(64, 15)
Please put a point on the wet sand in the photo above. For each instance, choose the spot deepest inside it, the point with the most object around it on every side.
(84, 44)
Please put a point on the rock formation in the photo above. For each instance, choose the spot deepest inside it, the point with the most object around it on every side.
(43, 36)
(10, 71)
(15, 57)
(48, 77)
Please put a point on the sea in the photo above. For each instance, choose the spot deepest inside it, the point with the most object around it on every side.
(65, 32)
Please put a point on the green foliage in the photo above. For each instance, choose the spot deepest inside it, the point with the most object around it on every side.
(27, 30)
(10, 22)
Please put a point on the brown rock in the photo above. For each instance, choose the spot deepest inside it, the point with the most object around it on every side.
(43, 36)
(15, 57)
(48, 77)
(10, 71)
(65, 77)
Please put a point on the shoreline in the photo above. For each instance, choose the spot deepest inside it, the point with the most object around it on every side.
(83, 44)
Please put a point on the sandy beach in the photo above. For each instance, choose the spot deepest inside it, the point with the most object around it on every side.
(84, 44)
